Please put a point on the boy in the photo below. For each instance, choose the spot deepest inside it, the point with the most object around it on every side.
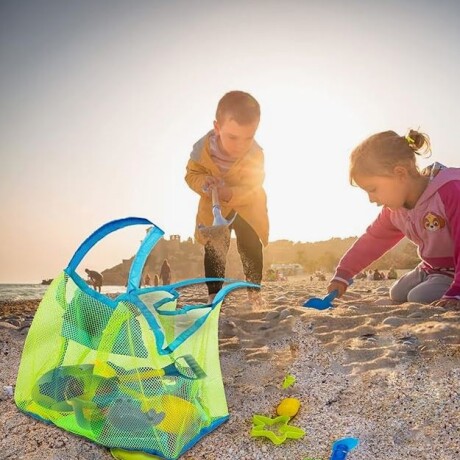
(229, 159)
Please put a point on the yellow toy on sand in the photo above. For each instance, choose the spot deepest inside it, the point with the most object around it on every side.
(277, 429)
(288, 407)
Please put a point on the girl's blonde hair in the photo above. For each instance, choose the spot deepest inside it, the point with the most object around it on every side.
(380, 153)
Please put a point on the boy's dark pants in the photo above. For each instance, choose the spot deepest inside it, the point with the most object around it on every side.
(249, 248)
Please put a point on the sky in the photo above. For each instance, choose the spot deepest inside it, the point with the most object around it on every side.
(101, 102)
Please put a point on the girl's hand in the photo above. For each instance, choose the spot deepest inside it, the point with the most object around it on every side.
(338, 286)
(449, 304)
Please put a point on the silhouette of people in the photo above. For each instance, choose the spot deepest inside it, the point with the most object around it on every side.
(95, 278)
(165, 272)
(147, 280)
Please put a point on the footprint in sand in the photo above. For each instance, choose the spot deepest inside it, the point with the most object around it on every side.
(407, 340)
(394, 321)
(252, 331)
(368, 337)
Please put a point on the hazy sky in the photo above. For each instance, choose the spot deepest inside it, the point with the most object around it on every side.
(102, 100)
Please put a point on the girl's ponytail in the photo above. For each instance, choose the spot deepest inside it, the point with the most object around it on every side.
(380, 153)
(419, 143)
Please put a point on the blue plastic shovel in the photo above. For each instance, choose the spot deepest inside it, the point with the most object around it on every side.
(342, 447)
(321, 304)
(325, 302)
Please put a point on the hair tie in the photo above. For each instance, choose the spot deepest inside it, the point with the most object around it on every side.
(410, 141)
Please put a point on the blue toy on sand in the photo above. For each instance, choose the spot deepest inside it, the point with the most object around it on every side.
(325, 302)
(321, 304)
(342, 447)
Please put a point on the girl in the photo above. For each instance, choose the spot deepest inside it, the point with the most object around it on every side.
(423, 206)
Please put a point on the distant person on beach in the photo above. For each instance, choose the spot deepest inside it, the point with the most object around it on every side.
(392, 274)
(95, 278)
(321, 276)
(280, 276)
(165, 272)
(270, 275)
(228, 158)
(421, 205)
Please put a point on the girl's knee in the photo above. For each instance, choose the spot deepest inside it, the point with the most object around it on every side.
(397, 294)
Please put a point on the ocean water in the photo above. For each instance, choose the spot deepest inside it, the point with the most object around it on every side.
(36, 291)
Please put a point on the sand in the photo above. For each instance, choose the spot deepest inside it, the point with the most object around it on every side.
(386, 374)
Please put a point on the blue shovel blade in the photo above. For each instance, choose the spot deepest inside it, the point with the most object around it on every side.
(342, 447)
(219, 219)
(321, 304)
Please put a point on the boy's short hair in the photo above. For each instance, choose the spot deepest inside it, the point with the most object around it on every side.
(239, 106)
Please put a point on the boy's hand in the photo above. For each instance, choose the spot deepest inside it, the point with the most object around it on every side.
(209, 183)
(337, 286)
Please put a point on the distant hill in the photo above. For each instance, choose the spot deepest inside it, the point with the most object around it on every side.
(186, 258)
(325, 255)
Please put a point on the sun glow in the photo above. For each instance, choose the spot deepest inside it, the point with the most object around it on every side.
(307, 166)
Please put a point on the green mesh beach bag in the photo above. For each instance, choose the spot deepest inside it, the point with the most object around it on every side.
(134, 372)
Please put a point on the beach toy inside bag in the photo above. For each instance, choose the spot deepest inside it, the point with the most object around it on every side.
(133, 372)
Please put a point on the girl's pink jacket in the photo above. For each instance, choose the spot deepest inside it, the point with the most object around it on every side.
(433, 225)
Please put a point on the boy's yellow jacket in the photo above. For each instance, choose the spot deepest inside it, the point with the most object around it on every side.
(245, 178)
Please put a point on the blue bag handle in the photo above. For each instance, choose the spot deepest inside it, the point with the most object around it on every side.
(135, 272)
(108, 228)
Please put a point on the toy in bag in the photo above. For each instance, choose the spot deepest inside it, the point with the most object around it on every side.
(130, 373)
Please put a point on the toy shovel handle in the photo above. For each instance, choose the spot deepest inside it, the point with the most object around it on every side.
(331, 296)
(215, 196)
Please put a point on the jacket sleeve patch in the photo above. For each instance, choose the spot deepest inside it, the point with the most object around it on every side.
(432, 222)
